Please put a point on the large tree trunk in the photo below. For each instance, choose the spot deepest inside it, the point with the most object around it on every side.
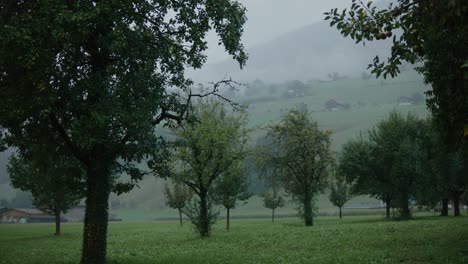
(456, 203)
(308, 214)
(180, 216)
(444, 211)
(96, 215)
(57, 222)
(341, 216)
(227, 218)
(273, 215)
(203, 223)
(404, 207)
(387, 208)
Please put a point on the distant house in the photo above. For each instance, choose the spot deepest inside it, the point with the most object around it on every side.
(25, 215)
(405, 100)
(335, 105)
(414, 99)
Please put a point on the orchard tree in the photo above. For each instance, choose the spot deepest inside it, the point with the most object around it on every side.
(52, 183)
(302, 152)
(270, 172)
(55, 179)
(443, 169)
(360, 169)
(388, 163)
(429, 33)
(210, 147)
(177, 195)
(339, 194)
(272, 199)
(231, 188)
(102, 75)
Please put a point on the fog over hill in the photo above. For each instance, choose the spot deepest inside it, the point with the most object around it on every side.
(311, 52)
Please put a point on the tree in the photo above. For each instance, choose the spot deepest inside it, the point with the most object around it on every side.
(388, 163)
(339, 194)
(270, 173)
(231, 187)
(50, 181)
(431, 33)
(177, 197)
(359, 168)
(443, 170)
(102, 75)
(272, 199)
(302, 152)
(55, 179)
(208, 149)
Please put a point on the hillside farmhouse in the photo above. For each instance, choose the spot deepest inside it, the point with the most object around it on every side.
(25, 215)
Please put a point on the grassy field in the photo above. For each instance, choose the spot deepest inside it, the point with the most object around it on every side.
(350, 240)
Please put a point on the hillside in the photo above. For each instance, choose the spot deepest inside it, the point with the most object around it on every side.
(311, 52)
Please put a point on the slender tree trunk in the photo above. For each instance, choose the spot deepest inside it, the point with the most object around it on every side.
(57, 222)
(273, 215)
(180, 216)
(387, 208)
(341, 216)
(456, 204)
(96, 215)
(203, 228)
(227, 218)
(308, 214)
(444, 211)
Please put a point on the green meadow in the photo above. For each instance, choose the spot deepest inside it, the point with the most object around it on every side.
(354, 239)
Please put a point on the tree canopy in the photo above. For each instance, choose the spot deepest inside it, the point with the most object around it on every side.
(302, 152)
(210, 148)
(430, 34)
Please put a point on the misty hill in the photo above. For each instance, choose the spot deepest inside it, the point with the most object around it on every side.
(308, 53)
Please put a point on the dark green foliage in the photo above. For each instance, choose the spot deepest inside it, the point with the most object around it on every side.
(53, 180)
(388, 164)
(177, 196)
(431, 33)
(97, 73)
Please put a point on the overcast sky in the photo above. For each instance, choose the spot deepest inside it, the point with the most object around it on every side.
(268, 19)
